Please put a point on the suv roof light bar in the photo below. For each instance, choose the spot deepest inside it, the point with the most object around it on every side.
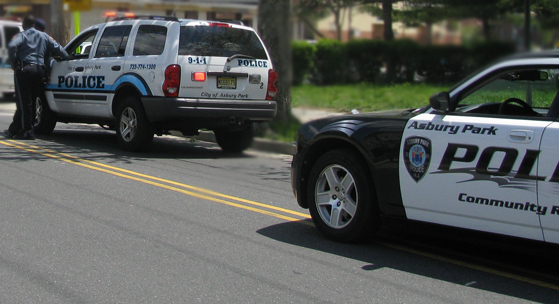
(128, 15)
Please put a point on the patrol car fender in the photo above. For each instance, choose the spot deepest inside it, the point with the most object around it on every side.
(379, 144)
(135, 80)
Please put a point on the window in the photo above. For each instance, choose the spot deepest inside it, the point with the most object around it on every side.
(150, 40)
(527, 92)
(219, 41)
(81, 46)
(10, 32)
(113, 42)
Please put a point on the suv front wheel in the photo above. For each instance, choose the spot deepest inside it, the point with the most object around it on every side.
(134, 131)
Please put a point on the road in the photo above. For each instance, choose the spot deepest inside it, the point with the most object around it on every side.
(83, 222)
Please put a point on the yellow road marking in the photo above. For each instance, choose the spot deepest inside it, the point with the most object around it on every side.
(145, 179)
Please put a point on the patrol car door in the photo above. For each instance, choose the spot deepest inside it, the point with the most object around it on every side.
(548, 186)
(476, 167)
(103, 70)
(64, 90)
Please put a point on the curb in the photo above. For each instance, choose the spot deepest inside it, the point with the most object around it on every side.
(259, 144)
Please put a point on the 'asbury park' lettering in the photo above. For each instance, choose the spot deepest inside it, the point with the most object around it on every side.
(86, 82)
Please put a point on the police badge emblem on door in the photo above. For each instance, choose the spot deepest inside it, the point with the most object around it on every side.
(417, 156)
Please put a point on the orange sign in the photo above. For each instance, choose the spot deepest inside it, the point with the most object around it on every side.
(76, 5)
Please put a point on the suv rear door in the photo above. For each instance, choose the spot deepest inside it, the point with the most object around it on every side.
(222, 61)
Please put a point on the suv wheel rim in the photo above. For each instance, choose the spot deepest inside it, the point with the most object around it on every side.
(128, 124)
(38, 111)
(336, 196)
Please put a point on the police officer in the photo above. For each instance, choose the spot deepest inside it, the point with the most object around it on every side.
(27, 52)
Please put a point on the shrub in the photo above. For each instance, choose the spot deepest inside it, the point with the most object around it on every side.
(302, 60)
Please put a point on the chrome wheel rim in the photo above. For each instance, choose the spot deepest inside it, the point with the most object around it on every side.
(336, 196)
(38, 111)
(128, 124)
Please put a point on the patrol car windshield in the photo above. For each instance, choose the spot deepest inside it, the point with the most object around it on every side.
(219, 41)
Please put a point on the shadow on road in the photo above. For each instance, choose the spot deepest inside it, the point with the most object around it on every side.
(436, 258)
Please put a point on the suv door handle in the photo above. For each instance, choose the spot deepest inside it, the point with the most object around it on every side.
(521, 136)
(115, 68)
(79, 69)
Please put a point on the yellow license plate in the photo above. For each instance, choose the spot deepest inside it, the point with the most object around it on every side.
(226, 82)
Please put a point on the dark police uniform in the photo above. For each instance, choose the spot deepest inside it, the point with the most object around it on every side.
(27, 51)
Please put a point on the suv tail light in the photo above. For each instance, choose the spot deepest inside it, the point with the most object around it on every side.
(172, 80)
(272, 89)
(220, 24)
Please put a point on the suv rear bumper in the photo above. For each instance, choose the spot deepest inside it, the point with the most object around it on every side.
(166, 108)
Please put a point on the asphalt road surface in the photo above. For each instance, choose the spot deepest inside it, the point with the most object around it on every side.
(83, 222)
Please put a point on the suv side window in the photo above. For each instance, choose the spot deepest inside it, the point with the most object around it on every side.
(113, 42)
(79, 49)
(219, 41)
(10, 32)
(150, 40)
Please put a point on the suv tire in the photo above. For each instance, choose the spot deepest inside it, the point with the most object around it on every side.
(133, 129)
(234, 141)
(45, 119)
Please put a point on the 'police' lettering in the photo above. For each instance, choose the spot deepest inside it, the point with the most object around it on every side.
(91, 82)
(470, 152)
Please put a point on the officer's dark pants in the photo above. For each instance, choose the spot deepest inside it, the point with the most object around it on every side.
(29, 84)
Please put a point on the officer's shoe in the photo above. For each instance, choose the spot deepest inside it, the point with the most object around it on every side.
(8, 134)
(27, 135)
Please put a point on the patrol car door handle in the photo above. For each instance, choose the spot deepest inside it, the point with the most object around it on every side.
(521, 136)
(79, 69)
(115, 68)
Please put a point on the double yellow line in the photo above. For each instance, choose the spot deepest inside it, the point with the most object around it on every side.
(197, 192)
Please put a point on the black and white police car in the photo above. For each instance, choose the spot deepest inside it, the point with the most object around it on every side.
(149, 75)
(483, 156)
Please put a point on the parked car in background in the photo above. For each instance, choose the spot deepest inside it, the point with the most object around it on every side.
(8, 29)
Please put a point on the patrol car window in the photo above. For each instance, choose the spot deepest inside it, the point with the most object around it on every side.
(219, 41)
(81, 46)
(150, 40)
(535, 87)
(113, 42)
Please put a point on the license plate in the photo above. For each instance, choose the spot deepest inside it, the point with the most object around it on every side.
(226, 82)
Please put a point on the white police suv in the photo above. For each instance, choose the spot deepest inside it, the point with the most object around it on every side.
(149, 75)
(483, 156)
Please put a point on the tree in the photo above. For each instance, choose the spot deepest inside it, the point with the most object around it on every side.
(335, 7)
(385, 12)
(274, 26)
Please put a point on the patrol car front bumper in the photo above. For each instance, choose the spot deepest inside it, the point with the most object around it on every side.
(165, 108)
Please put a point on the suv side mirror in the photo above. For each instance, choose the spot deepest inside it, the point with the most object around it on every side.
(440, 101)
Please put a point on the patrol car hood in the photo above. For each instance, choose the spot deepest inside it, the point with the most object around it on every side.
(362, 117)
(351, 122)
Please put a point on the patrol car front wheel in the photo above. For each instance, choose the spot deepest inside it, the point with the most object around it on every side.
(341, 197)
(133, 130)
(45, 119)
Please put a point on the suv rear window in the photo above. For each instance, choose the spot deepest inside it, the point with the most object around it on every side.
(219, 41)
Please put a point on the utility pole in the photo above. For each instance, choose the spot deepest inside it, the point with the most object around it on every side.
(527, 25)
(57, 22)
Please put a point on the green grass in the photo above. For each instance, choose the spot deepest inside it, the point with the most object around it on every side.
(363, 97)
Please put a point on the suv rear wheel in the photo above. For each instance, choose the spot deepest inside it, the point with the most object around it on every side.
(234, 141)
(134, 131)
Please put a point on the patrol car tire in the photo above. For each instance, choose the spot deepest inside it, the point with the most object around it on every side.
(45, 119)
(133, 129)
(234, 141)
(341, 197)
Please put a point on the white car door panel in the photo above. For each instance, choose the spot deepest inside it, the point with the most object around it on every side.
(472, 172)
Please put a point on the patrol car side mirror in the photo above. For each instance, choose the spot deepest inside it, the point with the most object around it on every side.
(440, 101)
